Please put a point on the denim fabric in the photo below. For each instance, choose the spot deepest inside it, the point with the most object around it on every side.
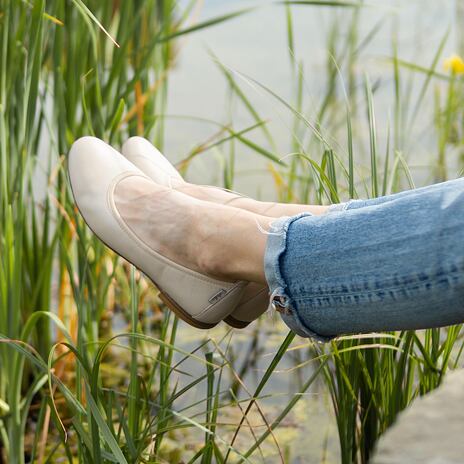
(391, 263)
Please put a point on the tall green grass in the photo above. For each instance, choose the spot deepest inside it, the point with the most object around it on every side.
(75, 386)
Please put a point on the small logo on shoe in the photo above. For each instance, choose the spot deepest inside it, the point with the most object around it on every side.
(218, 296)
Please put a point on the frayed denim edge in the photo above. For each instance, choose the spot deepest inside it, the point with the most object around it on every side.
(280, 300)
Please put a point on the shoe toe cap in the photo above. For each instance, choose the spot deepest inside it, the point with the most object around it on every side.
(92, 166)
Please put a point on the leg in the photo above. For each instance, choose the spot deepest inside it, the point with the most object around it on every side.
(394, 265)
(273, 209)
(263, 208)
(150, 160)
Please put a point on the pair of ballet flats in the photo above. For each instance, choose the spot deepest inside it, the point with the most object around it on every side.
(95, 170)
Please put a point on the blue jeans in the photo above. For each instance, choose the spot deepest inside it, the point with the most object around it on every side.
(391, 263)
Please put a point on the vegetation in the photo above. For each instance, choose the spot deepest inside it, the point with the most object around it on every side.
(75, 383)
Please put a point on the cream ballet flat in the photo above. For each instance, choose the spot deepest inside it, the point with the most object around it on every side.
(95, 169)
(150, 160)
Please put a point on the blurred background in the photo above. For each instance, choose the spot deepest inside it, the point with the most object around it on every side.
(299, 101)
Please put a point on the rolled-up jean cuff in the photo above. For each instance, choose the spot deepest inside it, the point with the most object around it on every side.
(281, 299)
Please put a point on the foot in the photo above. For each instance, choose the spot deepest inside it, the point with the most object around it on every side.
(213, 239)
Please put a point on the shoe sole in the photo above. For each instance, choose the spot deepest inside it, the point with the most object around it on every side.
(236, 323)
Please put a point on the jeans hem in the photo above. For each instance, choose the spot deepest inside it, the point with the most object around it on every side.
(281, 300)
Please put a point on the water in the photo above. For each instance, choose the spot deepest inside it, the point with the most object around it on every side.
(256, 45)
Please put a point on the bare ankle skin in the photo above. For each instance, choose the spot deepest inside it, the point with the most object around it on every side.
(235, 245)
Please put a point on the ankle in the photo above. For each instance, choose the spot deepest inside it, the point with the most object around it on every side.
(212, 254)
(232, 246)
